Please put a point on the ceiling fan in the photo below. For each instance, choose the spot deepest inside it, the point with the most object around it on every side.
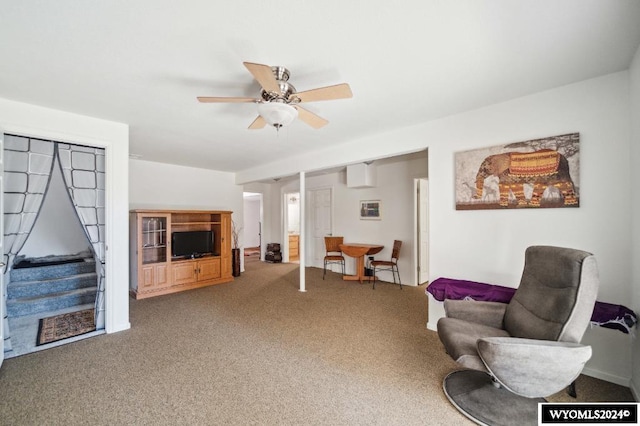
(278, 103)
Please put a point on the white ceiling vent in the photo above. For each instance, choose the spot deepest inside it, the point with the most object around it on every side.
(361, 175)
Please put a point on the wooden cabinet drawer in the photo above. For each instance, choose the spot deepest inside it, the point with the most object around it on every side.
(153, 277)
(208, 269)
(184, 273)
(293, 242)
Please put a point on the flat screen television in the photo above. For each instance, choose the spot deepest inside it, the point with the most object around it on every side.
(191, 243)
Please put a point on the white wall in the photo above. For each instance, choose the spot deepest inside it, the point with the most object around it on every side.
(394, 188)
(57, 230)
(489, 245)
(166, 186)
(634, 72)
(30, 120)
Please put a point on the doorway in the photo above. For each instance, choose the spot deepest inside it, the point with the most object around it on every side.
(321, 212)
(54, 225)
(292, 228)
(252, 224)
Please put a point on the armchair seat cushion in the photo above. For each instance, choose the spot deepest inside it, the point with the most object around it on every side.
(460, 338)
(533, 368)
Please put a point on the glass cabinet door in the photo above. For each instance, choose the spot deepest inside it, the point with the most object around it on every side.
(154, 239)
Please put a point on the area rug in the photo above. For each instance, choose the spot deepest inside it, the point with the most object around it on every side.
(63, 326)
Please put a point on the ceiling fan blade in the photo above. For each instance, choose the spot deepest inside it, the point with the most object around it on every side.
(339, 91)
(310, 118)
(208, 99)
(264, 75)
(258, 123)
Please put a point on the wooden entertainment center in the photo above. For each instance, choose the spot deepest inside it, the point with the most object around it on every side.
(154, 272)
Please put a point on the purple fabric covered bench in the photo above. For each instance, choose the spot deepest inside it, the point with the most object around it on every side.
(607, 315)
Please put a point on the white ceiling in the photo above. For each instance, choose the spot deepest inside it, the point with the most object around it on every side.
(143, 62)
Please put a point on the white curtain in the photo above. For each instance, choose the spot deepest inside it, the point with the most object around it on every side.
(83, 171)
(27, 172)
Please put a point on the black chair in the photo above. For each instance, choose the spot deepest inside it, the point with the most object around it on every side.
(389, 265)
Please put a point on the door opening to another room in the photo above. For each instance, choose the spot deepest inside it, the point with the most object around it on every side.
(321, 225)
(54, 225)
(292, 237)
(252, 225)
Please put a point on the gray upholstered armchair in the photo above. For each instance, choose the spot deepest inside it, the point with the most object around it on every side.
(523, 351)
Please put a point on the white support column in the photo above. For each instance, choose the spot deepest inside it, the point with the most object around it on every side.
(302, 238)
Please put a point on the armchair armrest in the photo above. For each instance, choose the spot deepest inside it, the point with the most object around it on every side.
(479, 312)
(533, 368)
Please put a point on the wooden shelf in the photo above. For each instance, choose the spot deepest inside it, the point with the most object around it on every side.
(154, 272)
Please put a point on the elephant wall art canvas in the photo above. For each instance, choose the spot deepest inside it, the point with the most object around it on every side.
(532, 174)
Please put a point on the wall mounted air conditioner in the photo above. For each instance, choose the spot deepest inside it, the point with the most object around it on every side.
(361, 175)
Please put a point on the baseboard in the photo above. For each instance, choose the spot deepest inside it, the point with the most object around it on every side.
(431, 327)
(622, 381)
(119, 327)
(634, 391)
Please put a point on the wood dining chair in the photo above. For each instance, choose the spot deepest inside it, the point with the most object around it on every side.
(389, 265)
(333, 253)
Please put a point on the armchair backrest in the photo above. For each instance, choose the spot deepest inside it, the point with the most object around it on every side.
(556, 295)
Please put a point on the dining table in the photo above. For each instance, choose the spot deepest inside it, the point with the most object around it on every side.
(359, 251)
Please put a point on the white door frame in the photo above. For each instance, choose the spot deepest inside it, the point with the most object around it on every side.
(259, 196)
(2, 290)
(263, 245)
(420, 260)
(285, 222)
(55, 125)
(311, 252)
(301, 238)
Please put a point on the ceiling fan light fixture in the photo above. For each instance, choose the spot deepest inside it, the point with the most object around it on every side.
(277, 114)
(278, 100)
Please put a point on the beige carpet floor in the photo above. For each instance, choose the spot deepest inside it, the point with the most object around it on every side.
(255, 351)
